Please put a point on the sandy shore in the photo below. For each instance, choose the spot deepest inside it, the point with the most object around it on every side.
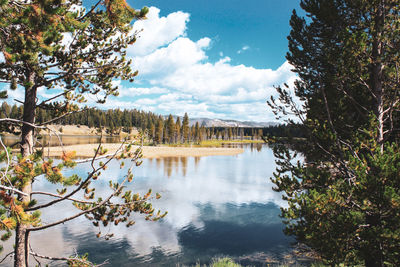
(80, 130)
(87, 151)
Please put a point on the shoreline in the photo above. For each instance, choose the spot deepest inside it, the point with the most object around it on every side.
(87, 151)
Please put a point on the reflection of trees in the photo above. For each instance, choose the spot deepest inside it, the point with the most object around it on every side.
(196, 162)
(158, 163)
(176, 163)
(170, 163)
(259, 147)
(184, 165)
(168, 166)
(223, 210)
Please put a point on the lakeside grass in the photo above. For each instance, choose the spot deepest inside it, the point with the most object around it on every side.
(222, 262)
(228, 262)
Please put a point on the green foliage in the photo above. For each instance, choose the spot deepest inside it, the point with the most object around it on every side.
(33, 41)
(60, 46)
(22, 170)
(222, 262)
(343, 198)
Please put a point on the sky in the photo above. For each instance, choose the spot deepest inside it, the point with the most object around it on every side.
(209, 58)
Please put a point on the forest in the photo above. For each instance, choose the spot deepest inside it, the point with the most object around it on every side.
(339, 199)
(159, 129)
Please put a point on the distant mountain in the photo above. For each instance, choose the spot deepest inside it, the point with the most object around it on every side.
(229, 123)
(226, 123)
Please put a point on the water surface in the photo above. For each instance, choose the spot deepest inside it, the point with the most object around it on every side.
(217, 206)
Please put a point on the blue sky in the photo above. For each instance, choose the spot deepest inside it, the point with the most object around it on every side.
(262, 25)
(216, 59)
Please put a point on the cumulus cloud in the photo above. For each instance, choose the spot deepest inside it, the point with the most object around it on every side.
(156, 31)
(179, 54)
(141, 91)
(176, 75)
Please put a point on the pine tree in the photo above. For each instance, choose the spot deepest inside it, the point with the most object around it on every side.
(185, 128)
(159, 136)
(37, 55)
(178, 126)
(196, 131)
(343, 200)
(171, 129)
(230, 133)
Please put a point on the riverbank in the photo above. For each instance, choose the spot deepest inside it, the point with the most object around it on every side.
(78, 130)
(217, 143)
(87, 151)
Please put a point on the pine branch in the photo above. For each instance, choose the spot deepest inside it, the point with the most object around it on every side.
(81, 185)
(100, 204)
(75, 259)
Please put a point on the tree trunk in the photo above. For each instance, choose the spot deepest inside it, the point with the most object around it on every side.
(377, 73)
(374, 253)
(21, 234)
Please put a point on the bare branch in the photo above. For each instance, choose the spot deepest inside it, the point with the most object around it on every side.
(22, 122)
(54, 97)
(66, 259)
(7, 164)
(6, 256)
(90, 11)
(58, 196)
(57, 118)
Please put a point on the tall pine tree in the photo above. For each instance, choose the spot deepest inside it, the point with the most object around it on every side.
(343, 201)
(71, 52)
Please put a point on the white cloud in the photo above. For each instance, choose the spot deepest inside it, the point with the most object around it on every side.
(141, 91)
(244, 48)
(176, 75)
(179, 54)
(178, 69)
(145, 101)
(205, 79)
(157, 31)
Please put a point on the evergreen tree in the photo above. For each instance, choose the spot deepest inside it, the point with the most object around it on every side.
(185, 128)
(178, 126)
(343, 201)
(230, 133)
(159, 131)
(32, 42)
(170, 129)
(152, 131)
(196, 130)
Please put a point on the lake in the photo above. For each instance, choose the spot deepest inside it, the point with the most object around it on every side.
(217, 206)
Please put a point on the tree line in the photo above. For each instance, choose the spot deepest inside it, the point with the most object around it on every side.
(157, 128)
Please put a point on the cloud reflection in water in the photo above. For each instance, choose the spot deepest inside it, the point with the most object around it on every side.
(216, 205)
